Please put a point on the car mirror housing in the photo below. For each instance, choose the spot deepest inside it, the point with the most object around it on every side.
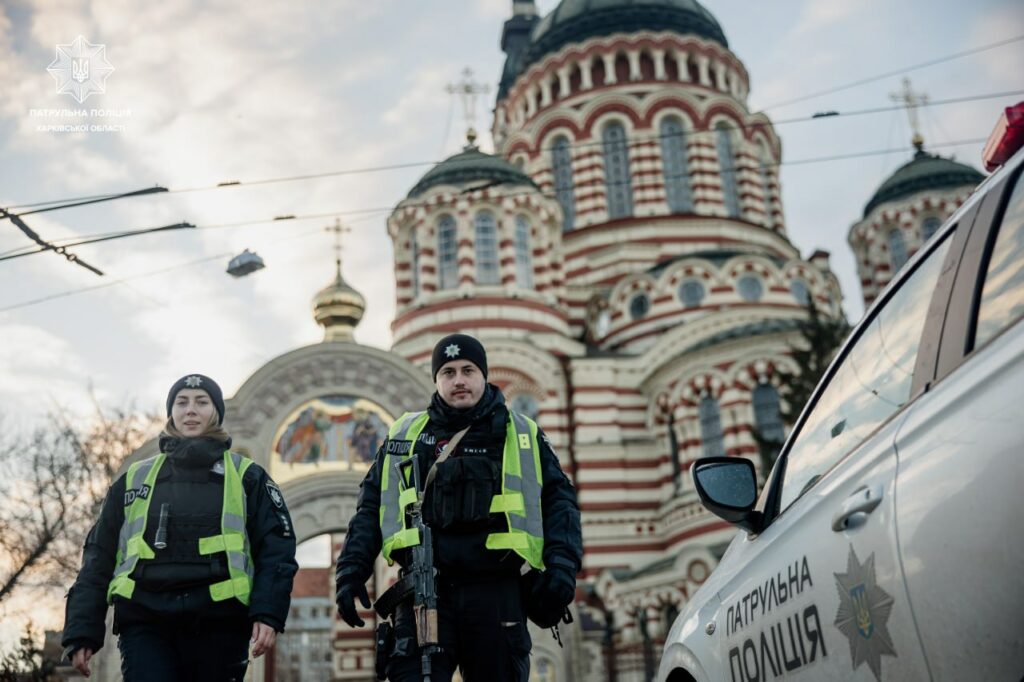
(727, 487)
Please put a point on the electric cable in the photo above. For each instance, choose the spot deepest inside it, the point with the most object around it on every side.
(632, 141)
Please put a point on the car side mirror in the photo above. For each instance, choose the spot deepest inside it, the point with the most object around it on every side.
(727, 487)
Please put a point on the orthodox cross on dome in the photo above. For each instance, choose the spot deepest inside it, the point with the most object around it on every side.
(911, 101)
(338, 229)
(468, 90)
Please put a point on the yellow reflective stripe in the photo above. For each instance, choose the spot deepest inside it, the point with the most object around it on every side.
(123, 586)
(137, 545)
(221, 543)
(406, 538)
(515, 541)
(507, 503)
(405, 498)
(233, 587)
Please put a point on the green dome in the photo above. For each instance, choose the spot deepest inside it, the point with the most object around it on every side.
(471, 165)
(574, 21)
(925, 171)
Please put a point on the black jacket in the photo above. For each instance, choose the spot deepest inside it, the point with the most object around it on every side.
(187, 471)
(463, 554)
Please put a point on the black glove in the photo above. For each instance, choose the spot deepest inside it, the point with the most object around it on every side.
(555, 588)
(346, 600)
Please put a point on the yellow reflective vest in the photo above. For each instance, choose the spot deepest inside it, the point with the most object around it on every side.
(233, 539)
(519, 500)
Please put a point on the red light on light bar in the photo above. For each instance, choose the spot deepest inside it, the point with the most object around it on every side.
(1006, 138)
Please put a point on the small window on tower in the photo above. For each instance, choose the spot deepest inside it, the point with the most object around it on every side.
(750, 288)
(691, 293)
(525, 404)
(799, 291)
(639, 306)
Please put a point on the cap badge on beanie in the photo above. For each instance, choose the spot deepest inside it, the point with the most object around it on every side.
(193, 381)
(458, 347)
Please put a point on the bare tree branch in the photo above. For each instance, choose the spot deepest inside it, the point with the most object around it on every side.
(53, 482)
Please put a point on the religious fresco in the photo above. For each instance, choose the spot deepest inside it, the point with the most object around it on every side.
(334, 432)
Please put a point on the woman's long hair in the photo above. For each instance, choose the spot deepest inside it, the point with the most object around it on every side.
(213, 430)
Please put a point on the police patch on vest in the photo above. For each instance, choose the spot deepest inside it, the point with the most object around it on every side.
(275, 495)
(398, 447)
(140, 493)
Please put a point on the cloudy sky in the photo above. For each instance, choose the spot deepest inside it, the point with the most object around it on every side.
(255, 91)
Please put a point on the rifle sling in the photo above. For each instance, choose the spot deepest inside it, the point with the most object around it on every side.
(449, 448)
(393, 596)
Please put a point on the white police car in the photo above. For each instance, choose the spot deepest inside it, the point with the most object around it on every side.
(886, 543)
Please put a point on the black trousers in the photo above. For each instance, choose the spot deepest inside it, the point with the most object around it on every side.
(178, 649)
(482, 631)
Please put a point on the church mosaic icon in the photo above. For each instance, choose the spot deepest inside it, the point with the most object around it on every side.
(340, 431)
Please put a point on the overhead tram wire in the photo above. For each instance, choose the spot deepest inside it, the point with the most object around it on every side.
(896, 72)
(371, 213)
(632, 141)
(141, 275)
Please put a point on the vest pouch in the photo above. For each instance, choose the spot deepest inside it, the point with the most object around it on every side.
(460, 496)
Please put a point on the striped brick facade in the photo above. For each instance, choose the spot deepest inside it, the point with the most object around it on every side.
(619, 393)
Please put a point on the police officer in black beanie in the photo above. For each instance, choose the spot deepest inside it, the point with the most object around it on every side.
(491, 522)
(195, 550)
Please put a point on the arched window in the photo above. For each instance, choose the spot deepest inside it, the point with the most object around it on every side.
(639, 305)
(799, 290)
(414, 264)
(561, 164)
(524, 265)
(675, 166)
(767, 417)
(486, 249)
(764, 168)
(616, 171)
(447, 245)
(727, 169)
(525, 404)
(929, 227)
(897, 249)
(711, 427)
(750, 288)
(691, 293)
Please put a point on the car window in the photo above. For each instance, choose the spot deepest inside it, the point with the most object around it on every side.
(1002, 298)
(871, 383)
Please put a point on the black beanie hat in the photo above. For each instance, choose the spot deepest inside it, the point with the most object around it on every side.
(202, 382)
(458, 347)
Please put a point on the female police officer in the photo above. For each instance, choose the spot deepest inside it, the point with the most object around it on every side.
(195, 550)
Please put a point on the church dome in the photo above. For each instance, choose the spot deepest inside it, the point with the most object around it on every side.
(574, 21)
(338, 308)
(924, 172)
(471, 165)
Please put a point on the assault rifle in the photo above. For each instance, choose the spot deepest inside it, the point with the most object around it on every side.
(421, 570)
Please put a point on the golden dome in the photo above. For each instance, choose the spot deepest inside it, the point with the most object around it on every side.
(338, 308)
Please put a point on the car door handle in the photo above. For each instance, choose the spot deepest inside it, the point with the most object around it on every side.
(863, 501)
